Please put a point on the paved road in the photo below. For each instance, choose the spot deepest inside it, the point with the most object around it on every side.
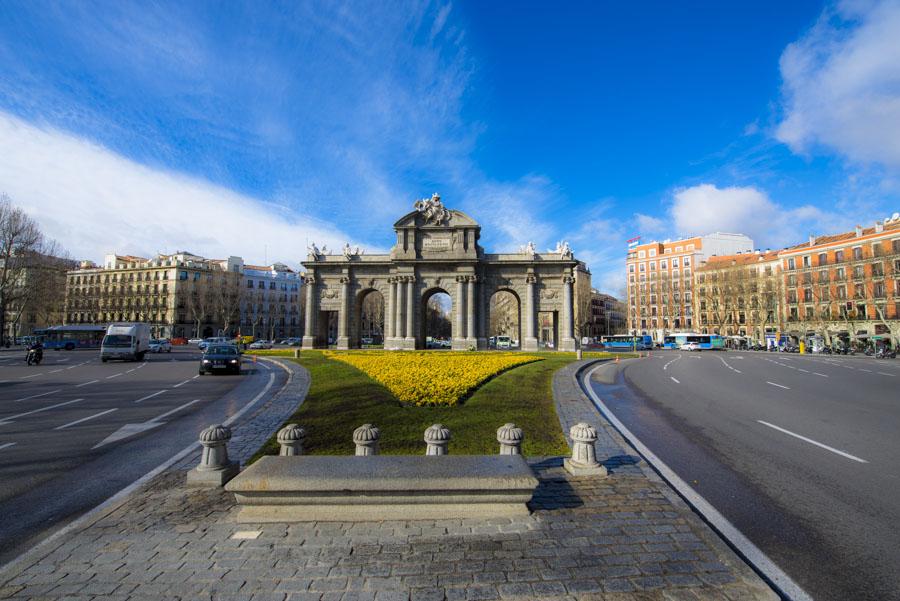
(74, 431)
(801, 453)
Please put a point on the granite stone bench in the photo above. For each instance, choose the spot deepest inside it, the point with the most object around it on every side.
(382, 487)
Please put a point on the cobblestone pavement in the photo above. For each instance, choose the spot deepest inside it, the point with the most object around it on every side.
(626, 537)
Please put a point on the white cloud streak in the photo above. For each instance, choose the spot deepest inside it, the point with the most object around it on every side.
(94, 201)
(842, 84)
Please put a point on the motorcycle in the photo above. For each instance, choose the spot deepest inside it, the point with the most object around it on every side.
(34, 356)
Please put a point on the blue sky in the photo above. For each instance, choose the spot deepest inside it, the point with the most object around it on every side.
(251, 128)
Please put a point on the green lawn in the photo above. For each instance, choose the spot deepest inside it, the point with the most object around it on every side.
(341, 398)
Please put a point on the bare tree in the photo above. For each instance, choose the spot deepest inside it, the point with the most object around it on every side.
(199, 300)
(21, 243)
(227, 299)
(372, 314)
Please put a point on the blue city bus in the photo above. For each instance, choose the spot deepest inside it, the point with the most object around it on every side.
(627, 342)
(707, 342)
(72, 337)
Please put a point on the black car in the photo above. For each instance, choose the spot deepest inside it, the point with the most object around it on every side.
(220, 358)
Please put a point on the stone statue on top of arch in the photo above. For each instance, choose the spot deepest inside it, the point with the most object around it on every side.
(432, 210)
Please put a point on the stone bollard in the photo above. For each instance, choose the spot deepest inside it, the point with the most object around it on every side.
(215, 469)
(510, 438)
(291, 439)
(366, 440)
(296, 353)
(584, 458)
(437, 437)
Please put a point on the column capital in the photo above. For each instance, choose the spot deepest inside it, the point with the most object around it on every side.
(309, 279)
(409, 279)
(567, 279)
(473, 278)
(462, 278)
(530, 279)
(345, 279)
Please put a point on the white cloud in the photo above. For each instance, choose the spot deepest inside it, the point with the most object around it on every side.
(512, 213)
(94, 202)
(705, 208)
(842, 84)
(648, 224)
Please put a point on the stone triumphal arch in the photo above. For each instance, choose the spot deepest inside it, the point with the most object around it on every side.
(437, 250)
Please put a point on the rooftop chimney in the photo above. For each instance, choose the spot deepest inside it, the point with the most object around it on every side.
(812, 240)
(879, 227)
(858, 231)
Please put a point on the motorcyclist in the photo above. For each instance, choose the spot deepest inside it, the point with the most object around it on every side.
(36, 351)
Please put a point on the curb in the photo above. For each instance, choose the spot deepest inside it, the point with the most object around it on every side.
(108, 506)
(734, 538)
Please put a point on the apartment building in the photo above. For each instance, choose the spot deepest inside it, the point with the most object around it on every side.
(845, 287)
(271, 304)
(180, 294)
(661, 280)
(607, 315)
(741, 295)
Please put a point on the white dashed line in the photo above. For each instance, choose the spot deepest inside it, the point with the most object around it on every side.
(34, 396)
(666, 366)
(778, 385)
(56, 371)
(806, 371)
(815, 373)
(31, 376)
(868, 371)
(150, 396)
(182, 383)
(195, 377)
(884, 374)
(674, 380)
(6, 445)
(811, 441)
(6, 420)
(128, 371)
(175, 410)
(86, 383)
(84, 419)
(114, 376)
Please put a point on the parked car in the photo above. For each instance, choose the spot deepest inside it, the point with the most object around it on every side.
(160, 345)
(195, 340)
(690, 346)
(214, 340)
(179, 341)
(220, 358)
(260, 345)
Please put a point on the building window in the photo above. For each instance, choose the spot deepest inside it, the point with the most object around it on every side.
(664, 264)
(642, 267)
(857, 253)
(823, 259)
(631, 268)
(806, 262)
(652, 252)
(249, 283)
(182, 275)
(641, 254)
(791, 264)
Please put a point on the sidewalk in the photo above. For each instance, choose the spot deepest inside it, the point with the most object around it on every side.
(626, 537)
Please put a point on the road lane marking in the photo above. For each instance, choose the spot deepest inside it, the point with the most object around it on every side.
(806, 371)
(84, 419)
(674, 380)
(811, 441)
(56, 371)
(6, 445)
(72, 367)
(182, 383)
(195, 377)
(7, 420)
(737, 371)
(666, 366)
(128, 371)
(31, 376)
(868, 371)
(86, 383)
(175, 410)
(34, 396)
(818, 374)
(150, 396)
(884, 374)
(114, 376)
(778, 385)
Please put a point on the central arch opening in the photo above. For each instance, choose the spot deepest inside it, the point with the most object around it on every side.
(437, 323)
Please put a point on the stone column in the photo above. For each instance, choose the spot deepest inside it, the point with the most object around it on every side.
(398, 312)
(483, 314)
(366, 440)
(309, 329)
(389, 314)
(584, 457)
(343, 339)
(470, 311)
(459, 329)
(510, 438)
(567, 339)
(530, 343)
(410, 312)
(290, 438)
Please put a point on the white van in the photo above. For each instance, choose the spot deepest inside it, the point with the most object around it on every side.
(503, 342)
(125, 341)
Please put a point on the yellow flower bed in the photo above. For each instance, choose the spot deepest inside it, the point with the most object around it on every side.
(431, 378)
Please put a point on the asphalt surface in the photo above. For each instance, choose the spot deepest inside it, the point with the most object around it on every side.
(825, 507)
(74, 431)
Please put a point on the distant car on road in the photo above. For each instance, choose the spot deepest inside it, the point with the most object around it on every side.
(160, 345)
(220, 358)
(690, 346)
(260, 345)
(215, 340)
(195, 340)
